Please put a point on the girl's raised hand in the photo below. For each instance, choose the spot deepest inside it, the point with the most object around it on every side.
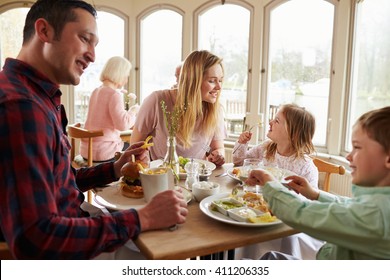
(245, 137)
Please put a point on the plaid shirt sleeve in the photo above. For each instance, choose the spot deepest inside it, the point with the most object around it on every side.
(40, 215)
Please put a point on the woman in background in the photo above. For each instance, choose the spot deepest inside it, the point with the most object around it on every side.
(201, 129)
(106, 111)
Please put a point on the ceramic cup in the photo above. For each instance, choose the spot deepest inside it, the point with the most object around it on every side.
(154, 181)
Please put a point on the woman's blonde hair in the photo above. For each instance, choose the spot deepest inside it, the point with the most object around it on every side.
(300, 126)
(189, 97)
(116, 70)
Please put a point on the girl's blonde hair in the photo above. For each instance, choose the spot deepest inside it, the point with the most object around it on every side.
(116, 70)
(189, 97)
(300, 126)
(376, 124)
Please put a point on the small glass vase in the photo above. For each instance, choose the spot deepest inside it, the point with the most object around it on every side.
(171, 160)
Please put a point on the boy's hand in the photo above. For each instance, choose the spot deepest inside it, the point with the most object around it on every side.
(259, 177)
(302, 186)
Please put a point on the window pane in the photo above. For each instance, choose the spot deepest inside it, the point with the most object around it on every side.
(161, 50)
(301, 34)
(111, 43)
(229, 39)
(370, 76)
(11, 32)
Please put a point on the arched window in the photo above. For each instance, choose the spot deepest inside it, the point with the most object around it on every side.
(370, 80)
(11, 32)
(224, 30)
(300, 36)
(111, 43)
(160, 49)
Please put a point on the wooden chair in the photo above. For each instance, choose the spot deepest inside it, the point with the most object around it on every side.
(75, 131)
(328, 168)
(5, 253)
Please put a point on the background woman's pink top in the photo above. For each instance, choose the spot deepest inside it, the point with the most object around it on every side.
(106, 111)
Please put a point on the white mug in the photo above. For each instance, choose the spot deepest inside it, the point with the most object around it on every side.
(154, 181)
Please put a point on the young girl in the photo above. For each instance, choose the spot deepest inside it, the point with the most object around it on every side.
(201, 120)
(289, 146)
(356, 227)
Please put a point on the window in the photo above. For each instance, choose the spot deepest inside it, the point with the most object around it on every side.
(370, 81)
(160, 50)
(111, 43)
(300, 51)
(229, 39)
(11, 23)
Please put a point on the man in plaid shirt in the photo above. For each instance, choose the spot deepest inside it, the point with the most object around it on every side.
(40, 193)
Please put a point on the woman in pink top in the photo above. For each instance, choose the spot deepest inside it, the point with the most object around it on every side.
(106, 111)
(201, 120)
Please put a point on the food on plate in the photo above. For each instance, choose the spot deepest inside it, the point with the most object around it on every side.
(182, 163)
(223, 205)
(253, 200)
(242, 214)
(241, 173)
(130, 183)
(146, 143)
(236, 172)
(264, 218)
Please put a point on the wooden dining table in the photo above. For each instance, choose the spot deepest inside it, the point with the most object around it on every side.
(203, 236)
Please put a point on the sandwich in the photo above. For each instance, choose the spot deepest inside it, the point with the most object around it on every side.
(130, 183)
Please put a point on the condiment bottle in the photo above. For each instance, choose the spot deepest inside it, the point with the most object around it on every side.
(192, 170)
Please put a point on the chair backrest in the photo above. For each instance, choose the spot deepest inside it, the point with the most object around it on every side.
(75, 131)
(5, 253)
(328, 168)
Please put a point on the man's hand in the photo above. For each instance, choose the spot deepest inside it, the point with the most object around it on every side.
(138, 150)
(166, 209)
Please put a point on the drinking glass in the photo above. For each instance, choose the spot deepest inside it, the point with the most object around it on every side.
(249, 165)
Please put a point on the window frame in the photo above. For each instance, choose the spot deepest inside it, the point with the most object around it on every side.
(252, 101)
(70, 89)
(335, 101)
(141, 16)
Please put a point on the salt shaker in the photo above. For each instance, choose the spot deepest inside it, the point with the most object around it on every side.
(192, 170)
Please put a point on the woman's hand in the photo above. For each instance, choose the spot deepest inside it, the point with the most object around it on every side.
(216, 157)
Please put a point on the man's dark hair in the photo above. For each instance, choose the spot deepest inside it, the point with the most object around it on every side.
(56, 12)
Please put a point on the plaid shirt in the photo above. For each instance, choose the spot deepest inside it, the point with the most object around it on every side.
(40, 193)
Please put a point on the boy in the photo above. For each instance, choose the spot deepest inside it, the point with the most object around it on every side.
(354, 228)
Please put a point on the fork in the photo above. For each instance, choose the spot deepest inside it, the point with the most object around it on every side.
(207, 149)
(249, 130)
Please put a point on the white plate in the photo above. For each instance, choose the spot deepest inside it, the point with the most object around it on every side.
(204, 206)
(111, 198)
(208, 164)
(276, 172)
